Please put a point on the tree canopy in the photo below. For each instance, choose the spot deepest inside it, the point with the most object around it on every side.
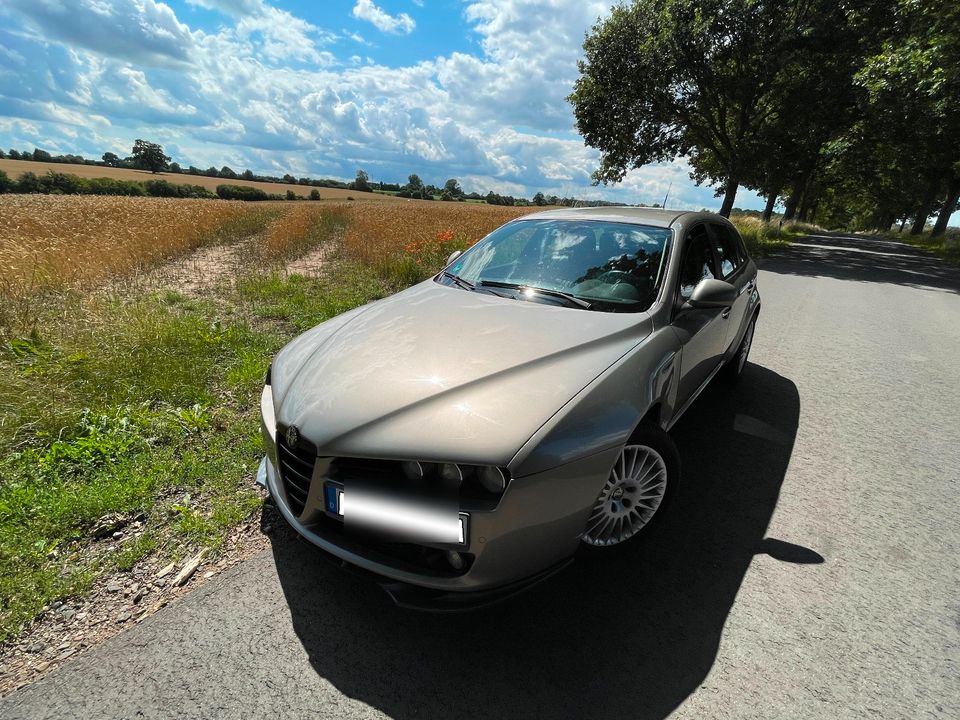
(841, 109)
(149, 156)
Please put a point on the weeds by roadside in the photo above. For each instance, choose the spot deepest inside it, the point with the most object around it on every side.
(123, 405)
(763, 238)
(946, 247)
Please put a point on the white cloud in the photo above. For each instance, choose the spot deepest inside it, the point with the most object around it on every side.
(401, 24)
(265, 91)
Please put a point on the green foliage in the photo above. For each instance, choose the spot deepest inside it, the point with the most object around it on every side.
(149, 156)
(291, 195)
(706, 80)
(362, 182)
(6, 184)
(28, 182)
(162, 188)
(314, 194)
(241, 192)
(143, 406)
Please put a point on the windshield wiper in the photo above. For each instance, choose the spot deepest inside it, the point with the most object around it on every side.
(465, 284)
(571, 299)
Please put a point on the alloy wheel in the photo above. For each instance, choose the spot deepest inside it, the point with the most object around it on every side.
(633, 492)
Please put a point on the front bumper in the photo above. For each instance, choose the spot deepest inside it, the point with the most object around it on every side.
(531, 533)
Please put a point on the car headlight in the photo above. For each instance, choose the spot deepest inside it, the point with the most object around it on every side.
(472, 480)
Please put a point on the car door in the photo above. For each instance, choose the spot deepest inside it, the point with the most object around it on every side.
(733, 267)
(701, 331)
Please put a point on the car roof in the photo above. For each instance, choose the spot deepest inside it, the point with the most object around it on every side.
(655, 217)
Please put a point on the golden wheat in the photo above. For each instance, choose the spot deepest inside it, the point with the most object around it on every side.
(376, 232)
(54, 242)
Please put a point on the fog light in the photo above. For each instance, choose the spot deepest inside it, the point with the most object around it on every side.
(493, 480)
(455, 559)
(451, 473)
(412, 470)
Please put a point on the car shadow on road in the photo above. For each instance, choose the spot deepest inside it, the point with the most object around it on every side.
(864, 259)
(630, 634)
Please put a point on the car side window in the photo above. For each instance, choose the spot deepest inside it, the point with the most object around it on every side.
(698, 262)
(728, 250)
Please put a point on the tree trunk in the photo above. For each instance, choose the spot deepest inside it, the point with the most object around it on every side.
(768, 209)
(953, 194)
(923, 212)
(729, 195)
(903, 224)
(790, 209)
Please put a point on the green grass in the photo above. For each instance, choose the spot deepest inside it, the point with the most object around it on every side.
(946, 247)
(763, 238)
(140, 406)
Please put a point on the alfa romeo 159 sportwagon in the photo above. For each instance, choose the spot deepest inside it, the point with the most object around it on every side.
(460, 439)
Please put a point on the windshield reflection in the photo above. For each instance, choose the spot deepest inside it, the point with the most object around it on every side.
(616, 266)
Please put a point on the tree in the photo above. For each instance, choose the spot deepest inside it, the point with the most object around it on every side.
(227, 172)
(414, 189)
(453, 189)
(668, 78)
(539, 199)
(13, 154)
(41, 155)
(362, 183)
(149, 156)
(111, 159)
(314, 194)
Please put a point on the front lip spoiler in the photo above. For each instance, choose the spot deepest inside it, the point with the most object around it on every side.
(414, 597)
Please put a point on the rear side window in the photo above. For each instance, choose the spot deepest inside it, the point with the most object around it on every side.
(729, 250)
(698, 261)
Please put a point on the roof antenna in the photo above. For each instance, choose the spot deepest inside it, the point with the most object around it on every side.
(669, 187)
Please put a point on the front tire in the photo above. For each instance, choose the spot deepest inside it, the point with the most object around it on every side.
(641, 483)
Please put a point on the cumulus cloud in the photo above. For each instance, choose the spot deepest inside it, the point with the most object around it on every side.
(266, 91)
(401, 24)
(144, 32)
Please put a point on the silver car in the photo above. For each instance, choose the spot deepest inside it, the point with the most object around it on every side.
(462, 438)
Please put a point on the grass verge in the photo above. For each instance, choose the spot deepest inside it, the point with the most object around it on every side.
(946, 247)
(125, 411)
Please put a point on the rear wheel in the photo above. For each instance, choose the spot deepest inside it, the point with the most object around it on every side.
(639, 486)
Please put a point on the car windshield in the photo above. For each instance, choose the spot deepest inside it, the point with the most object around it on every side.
(612, 266)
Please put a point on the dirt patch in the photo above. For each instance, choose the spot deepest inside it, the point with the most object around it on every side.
(65, 630)
(313, 262)
(202, 271)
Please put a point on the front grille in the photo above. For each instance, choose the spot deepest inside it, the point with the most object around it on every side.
(296, 471)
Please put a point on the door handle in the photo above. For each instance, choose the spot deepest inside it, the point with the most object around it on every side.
(726, 313)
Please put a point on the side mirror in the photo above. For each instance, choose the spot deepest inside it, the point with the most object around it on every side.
(453, 256)
(711, 293)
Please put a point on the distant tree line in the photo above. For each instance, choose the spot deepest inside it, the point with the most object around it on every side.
(846, 112)
(150, 156)
(54, 183)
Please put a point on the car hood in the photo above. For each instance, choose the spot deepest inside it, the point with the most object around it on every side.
(439, 373)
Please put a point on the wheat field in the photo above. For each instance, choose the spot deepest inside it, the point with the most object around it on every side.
(15, 168)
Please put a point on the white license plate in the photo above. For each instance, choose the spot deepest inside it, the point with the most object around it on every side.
(401, 517)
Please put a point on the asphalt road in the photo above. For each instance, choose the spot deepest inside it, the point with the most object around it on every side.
(810, 567)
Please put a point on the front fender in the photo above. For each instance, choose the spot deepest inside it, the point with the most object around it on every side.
(607, 411)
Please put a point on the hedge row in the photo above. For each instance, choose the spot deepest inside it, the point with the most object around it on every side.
(56, 183)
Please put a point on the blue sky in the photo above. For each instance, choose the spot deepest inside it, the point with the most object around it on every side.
(472, 89)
